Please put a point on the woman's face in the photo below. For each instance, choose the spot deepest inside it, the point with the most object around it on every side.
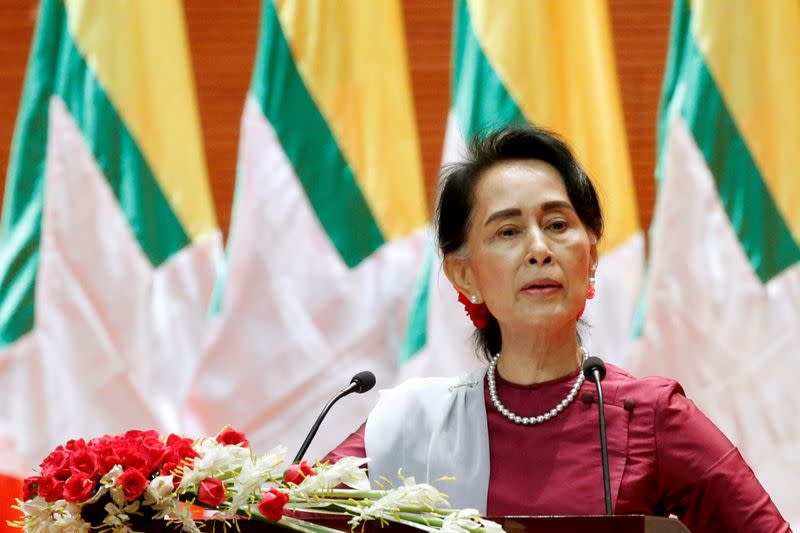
(529, 255)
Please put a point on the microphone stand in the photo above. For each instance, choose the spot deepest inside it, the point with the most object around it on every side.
(360, 383)
(595, 370)
(311, 434)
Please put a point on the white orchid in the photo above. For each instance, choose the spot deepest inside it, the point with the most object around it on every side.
(346, 471)
(160, 487)
(215, 458)
(252, 476)
(467, 521)
(409, 495)
(118, 514)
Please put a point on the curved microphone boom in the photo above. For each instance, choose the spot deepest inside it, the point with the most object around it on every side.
(595, 370)
(360, 383)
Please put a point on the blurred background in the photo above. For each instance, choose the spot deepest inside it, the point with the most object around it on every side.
(223, 36)
(217, 212)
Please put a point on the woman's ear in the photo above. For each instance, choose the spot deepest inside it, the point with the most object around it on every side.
(593, 253)
(459, 271)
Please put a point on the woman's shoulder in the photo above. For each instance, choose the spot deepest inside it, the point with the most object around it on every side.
(434, 385)
(650, 390)
(427, 396)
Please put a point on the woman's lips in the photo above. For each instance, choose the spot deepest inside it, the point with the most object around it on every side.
(542, 287)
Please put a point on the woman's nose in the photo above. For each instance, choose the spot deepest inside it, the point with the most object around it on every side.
(538, 249)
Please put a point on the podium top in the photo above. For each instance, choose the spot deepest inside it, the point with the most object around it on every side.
(512, 524)
(595, 524)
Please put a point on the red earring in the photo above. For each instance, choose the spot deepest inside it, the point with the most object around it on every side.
(477, 312)
(590, 291)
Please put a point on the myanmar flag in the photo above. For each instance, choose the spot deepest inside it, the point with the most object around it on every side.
(722, 297)
(324, 244)
(108, 234)
(550, 63)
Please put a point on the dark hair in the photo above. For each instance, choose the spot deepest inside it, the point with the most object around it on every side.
(459, 180)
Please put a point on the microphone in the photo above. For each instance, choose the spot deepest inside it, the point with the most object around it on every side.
(595, 370)
(360, 383)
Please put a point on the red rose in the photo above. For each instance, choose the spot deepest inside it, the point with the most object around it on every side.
(230, 436)
(30, 487)
(108, 459)
(180, 448)
(134, 460)
(78, 488)
(133, 483)
(56, 463)
(137, 434)
(211, 492)
(168, 469)
(297, 473)
(75, 445)
(175, 440)
(51, 489)
(272, 503)
(154, 450)
(84, 462)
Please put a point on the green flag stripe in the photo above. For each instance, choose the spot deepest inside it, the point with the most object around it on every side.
(417, 329)
(150, 216)
(56, 67)
(478, 96)
(310, 145)
(762, 232)
(20, 228)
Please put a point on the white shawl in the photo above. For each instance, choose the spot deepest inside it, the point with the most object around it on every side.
(430, 428)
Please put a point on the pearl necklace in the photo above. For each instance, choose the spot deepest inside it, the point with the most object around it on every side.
(531, 420)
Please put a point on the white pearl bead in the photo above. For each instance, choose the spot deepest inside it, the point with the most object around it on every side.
(517, 419)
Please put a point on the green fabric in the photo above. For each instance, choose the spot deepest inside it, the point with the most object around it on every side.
(417, 329)
(56, 67)
(693, 94)
(478, 96)
(310, 145)
(690, 92)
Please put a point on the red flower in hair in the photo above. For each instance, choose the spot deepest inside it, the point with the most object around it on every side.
(478, 313)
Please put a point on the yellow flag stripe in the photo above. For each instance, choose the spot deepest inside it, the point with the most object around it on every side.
(148, 78)
(556, 60)
(753, 53)
(351, 55)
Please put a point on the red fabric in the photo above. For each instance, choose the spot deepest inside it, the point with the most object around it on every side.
(10, 490)
(665, 457)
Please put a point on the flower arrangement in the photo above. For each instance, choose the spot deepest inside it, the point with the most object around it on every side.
(113, 482)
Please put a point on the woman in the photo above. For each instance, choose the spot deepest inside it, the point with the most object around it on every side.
(518, 225)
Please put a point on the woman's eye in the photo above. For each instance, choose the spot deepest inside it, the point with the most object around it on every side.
(558, 225)
(507, 231)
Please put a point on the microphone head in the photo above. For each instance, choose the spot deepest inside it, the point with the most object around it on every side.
(590, 365)
(363, 381)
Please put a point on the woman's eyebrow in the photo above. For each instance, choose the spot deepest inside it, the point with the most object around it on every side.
(503, 213)
(557, 204)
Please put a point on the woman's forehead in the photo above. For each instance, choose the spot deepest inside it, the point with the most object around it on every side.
(523, 184)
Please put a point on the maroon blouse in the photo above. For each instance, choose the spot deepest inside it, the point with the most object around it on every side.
(665, 457)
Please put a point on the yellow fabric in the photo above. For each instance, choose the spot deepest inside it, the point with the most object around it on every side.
(351, 55)
(148, 77)
(752, 49)
(556, 60)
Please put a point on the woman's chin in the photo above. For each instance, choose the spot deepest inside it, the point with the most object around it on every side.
(555, 318)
